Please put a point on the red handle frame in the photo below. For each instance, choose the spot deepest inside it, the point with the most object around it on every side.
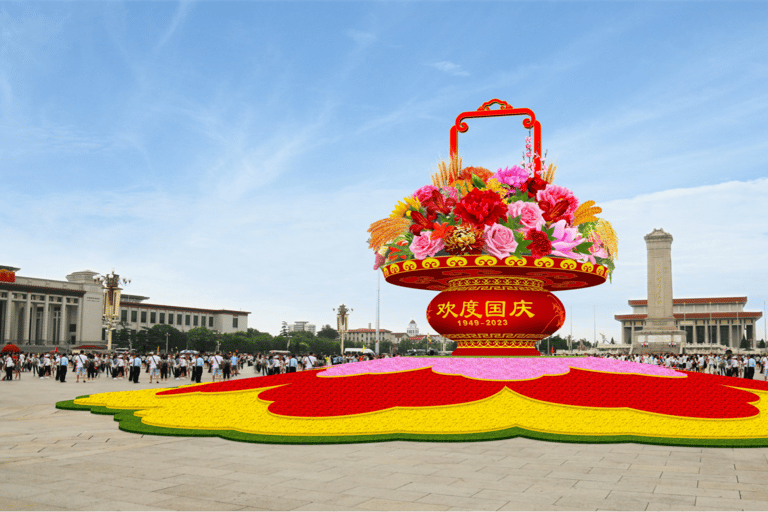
(505, 110)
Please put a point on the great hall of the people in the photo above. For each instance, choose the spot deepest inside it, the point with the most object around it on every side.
(710, 323)
(40, 314)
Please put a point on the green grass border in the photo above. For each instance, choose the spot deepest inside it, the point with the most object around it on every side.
(129, 422)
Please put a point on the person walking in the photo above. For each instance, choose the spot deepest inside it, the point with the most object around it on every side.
(164, 366)
(749, 371)
(293, 363)
(198, 371)
(154, 371)
(63, 363)
(135, 368)
(216, 362)
(80, 362)
(8, 367)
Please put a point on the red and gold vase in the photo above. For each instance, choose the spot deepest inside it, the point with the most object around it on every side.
(491, 306)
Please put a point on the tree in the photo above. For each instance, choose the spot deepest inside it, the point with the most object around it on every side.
(177, 340)
(385, 347)
(201, 339)
(404, 346)
(761, 344)
(328, 332)
(613, 342)
(744, 343)
(284, 330)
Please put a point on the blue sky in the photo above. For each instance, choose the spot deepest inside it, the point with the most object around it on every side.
(232, 155)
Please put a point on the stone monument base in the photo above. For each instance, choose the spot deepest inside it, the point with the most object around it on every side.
(658, 342)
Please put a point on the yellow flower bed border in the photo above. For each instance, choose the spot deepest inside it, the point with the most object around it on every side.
(129, 422)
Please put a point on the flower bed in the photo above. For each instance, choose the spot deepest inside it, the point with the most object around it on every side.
(452, 399)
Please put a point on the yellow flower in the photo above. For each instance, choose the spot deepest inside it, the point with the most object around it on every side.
(403, 209)
(606, 233)
(496, 186)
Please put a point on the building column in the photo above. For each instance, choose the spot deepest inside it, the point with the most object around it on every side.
(717, 332)
(63, 322)
(8, 318)
(45, 330)
(27, 319)
(78, 324)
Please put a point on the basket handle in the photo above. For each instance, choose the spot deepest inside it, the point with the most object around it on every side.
(505, 110)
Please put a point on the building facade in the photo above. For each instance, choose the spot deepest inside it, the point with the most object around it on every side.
(302, 326)
(709, 323)
(47, 313)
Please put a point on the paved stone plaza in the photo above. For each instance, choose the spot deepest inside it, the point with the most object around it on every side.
(54, 459)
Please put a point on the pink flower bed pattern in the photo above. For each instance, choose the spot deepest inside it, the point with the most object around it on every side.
(498, 369)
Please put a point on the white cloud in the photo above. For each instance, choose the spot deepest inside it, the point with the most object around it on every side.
(361, 38)
(449, 68)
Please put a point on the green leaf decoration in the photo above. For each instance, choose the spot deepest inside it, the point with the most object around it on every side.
(478, 183)
(586, 228)
(583, 248)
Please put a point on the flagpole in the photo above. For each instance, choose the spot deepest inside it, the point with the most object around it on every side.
(378, 302)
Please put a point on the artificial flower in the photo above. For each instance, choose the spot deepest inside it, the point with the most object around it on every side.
(420, 222)
(514, 176)
(566, 239)
(497, 187)
(481, 207)
(530, 214)
(379, 261)
(499, 241)
(440, 230)
(586, 212)
(464, 239)
(540, 245)
(557, 203)
(533, 185)
(386, 229)
(424, 246)
(437, 203)
(402, 209)
(424, 193)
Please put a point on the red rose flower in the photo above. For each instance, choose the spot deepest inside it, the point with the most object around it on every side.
(534, 184)
(540, 245)
(481, 207)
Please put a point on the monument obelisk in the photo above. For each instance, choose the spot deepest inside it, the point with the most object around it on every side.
(659, 333)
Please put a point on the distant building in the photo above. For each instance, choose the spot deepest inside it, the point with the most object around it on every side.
(136, 314)
(368, 336)
(413, 329)
(302, 327)
(709, 322)
(40, 314)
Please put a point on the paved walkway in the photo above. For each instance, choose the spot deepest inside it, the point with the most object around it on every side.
(52, 459)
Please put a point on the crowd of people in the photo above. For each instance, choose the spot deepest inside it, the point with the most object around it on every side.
(164, 367)
(160, 367)
(748, 366)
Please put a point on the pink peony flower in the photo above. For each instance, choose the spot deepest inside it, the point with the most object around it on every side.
(450, 192)
(557, 203)
(499, 241)
(424, 247)
(512, 176)
(566, 239)
(424, 193)
(379, 261)
(531, 214)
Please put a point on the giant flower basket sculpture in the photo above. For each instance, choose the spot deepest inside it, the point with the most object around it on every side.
(495, 245)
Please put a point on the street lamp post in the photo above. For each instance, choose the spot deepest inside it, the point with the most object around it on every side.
(342, 322)
(111, 285)
(166, 341)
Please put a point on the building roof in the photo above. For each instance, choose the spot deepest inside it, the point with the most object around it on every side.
(16, 287)
(418, 337)
(142, 305)
(705, 300)
(368, 330)
(695, 316)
